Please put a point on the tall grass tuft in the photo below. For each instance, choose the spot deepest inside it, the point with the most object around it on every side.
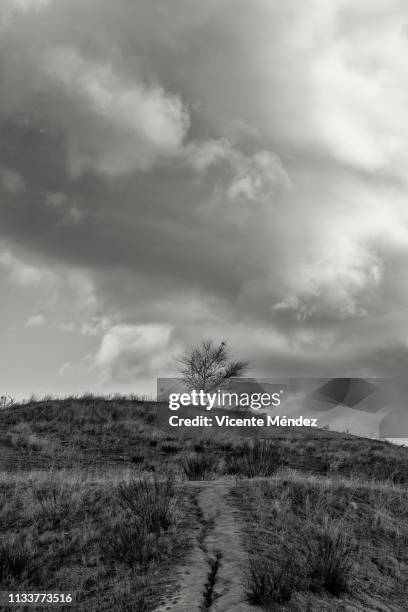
(153, 501)
(329, 560)
(132, 544)
(151, 512)
(56, 503)
(15, 562)
(201, 466)
(267, 581)
(252, 459)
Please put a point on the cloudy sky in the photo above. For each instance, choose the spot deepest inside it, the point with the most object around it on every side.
(176, 169)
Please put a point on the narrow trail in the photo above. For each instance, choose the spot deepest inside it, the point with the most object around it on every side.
(211, 578)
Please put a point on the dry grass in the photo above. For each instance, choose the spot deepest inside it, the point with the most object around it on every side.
(336, 538)
(15, 563)
(259, 458)
(200, 466)
(87, 504)
(154, 501)
(268, 582)
(92, 534)
(329, 551)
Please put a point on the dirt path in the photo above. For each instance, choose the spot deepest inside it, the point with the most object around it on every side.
(211, 578)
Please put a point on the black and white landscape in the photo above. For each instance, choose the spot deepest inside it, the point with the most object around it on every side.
(175, 173)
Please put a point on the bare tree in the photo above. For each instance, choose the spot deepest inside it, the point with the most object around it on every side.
(6, 401)
(207, 365)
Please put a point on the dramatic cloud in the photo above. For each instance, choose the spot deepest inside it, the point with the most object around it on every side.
(11, 181)
(36, 320)
(129, 351)
(225, 168)
(126, 126)
(20, 272)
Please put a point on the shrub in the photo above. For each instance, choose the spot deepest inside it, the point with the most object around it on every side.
(151, 500)
(200, 466)
(132, 544)
(329, 560)
(267, 582)
(137, 458)
(56, 504)
(259, 458)
(15, 561)
(170, 447)
(152, 507)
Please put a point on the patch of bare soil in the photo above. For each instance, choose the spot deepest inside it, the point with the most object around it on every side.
(211, 578)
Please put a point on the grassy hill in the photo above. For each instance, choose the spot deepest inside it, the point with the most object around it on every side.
(103, 498)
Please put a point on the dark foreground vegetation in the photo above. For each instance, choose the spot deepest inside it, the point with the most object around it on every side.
(325, 544)
(95, 498)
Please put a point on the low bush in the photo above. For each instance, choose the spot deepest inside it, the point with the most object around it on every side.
(267, 581)
(151, 512)
(137, 458)
(132, 544)
(170, 447)
(329, 560)
(252, 459)
(56, 504)
(200, 466)
(15, 562)
(154, 501)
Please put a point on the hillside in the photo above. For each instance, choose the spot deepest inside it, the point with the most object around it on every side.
(101, 497)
